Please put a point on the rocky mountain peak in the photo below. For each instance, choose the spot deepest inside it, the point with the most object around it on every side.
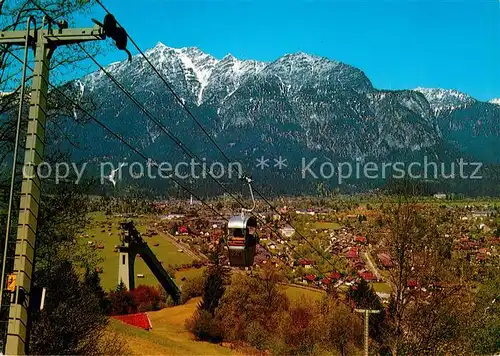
(445, 99)
(495, 101)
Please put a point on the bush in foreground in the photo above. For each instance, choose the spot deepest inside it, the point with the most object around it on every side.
(141, 299)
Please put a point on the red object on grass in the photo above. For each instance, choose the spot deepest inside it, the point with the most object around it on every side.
(140, 320)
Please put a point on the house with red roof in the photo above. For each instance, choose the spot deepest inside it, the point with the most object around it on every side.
(385, 260)
(367, 276)
(494, 241)
(306, 263)
(412, 284)
(309, 278)
(473, 245)
(326, 281)
(358, 264)
(360, 239)
(334, 276)
(352, 253)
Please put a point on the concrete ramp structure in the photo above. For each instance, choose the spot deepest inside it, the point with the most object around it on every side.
(132, 245)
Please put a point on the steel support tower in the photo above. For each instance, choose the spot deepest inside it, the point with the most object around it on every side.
(44, 41)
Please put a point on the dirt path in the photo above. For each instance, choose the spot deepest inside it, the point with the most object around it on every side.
(371, 266)
(184, 247)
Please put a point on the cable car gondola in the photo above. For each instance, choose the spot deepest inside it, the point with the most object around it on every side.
(242, 240)
(242, 236)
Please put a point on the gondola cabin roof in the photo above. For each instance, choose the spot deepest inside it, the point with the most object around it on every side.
(241, 222)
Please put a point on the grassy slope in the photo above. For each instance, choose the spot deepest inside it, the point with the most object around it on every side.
(326, 225)
(168, 336)
(296, 293)
(381, 287)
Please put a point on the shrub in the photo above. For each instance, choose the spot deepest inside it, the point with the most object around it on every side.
(204, 326)
(192, 287)
(141, 299)
(121, 302)
(257, 335)
(147, 298)
(251, 299)
(295, 328)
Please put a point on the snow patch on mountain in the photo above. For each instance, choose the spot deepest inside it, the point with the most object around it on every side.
(200, 64)
(445, 99)
(195, 66)
(199, 77)
(495, 101)
(302, 66)
(228, 75)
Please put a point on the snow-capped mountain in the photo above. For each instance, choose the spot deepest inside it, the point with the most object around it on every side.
(227, 76)
(200, 77)
(197, 76)
(299, 105)
(300, 101)
(495, 101)
(469, 125)
(446, 99)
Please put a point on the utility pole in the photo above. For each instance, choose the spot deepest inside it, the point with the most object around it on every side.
(45, 41)
(367, 313)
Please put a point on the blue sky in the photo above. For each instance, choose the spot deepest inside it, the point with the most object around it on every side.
(399, 44)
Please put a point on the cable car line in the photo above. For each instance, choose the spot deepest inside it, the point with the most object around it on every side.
(175, 139)
(105, 127)
(249, 247)
(135, 150)
(164, 129)
(170, 88)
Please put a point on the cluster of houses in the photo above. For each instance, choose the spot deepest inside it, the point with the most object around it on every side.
(346, 244)
(199, 227)
(478, 251)
(358, 269)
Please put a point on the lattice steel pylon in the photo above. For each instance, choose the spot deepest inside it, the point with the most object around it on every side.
(45, 40)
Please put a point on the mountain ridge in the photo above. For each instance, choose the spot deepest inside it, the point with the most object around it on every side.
(191, 57)
(299, 104)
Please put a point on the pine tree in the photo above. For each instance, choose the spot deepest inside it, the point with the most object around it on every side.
(121, 287)
(366, 298)
(93, 282)
(215, 285)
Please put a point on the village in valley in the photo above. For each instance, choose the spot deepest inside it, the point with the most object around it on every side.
(317, 246)
(298, 178)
